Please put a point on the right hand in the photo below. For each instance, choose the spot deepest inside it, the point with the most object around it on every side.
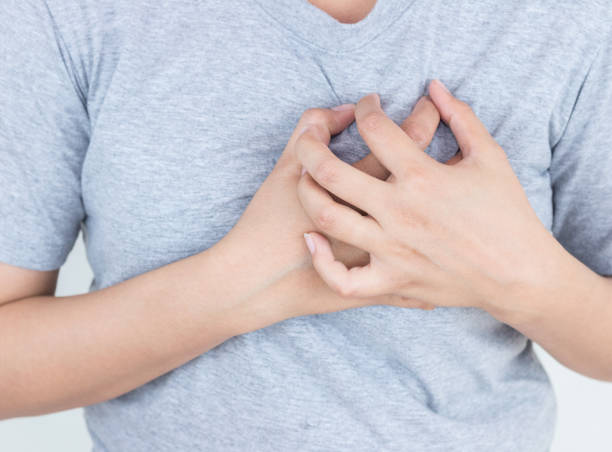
(269, 234)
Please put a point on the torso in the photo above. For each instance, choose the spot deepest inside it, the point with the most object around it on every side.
(192, 104)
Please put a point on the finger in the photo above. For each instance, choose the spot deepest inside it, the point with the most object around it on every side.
(340, 178)
(455, 159)
(332, 121)
(420, 126)
(329, 122)
(355, 282)
(470, 133)
(391, 145)
(337, 220)
(370, 165)
(422, 123)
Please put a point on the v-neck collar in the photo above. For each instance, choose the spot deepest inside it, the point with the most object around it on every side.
(315, 26)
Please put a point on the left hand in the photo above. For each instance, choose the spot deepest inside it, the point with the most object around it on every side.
(450, 235)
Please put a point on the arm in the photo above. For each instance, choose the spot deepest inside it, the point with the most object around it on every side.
(64, 352)
(460, 234)
(569, 316)
(57, 353)
(99, 345)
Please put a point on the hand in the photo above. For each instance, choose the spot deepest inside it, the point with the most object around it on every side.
(458, 234)
(270, 231)
(274, 219)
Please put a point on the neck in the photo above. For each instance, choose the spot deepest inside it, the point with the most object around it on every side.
(345, 11)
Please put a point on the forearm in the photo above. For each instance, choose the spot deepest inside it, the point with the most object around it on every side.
(570, 318)
(59, 353)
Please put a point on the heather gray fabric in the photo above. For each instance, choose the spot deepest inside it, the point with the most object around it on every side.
(151, 125)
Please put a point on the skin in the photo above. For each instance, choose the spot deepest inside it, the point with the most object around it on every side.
(345, 11)
(64, 352)
(453, 235)
(150, 324)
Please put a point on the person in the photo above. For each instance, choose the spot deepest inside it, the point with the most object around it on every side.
(404, 321)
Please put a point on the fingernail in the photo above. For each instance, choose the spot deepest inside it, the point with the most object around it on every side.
(303, 171)
(443, 86)
(344, 107)
(376, 97)
(309, 243)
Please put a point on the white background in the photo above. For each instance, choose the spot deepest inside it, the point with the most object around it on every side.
(584, 423)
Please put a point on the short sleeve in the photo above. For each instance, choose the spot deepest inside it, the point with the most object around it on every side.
(44, 134)
(581, 170)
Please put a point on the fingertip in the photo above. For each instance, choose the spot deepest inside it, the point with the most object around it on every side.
(373, 96)
(442, 99)
(365, 103)
(343, 118)
(438, 92)
(343, 114)
(320, 242)
(426, 105)
(317, 243)
(423, 101)
(344, 108)
(437, 84)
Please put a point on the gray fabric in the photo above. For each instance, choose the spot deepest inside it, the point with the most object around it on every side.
(151, 124)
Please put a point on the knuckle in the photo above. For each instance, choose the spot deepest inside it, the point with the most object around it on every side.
(325, 219)
(314, 116)
(409, 217)
(335, 285)
(299, 145)
(463, 109)
(403, 283)
(325, 172)
(299, 150)
(372, 122)
(417, 180)
(345, 290)
(302, 188)
(416, 132)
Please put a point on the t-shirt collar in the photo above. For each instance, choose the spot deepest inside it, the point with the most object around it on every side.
(314, 26)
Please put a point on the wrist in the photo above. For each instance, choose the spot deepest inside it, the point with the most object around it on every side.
(556, 279)
(284, 298)
(251, 276)
(528, 286)
(259, 258)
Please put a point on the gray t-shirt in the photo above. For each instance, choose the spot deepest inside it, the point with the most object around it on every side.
(151, 124)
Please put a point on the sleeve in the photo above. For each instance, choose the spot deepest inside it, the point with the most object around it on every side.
(44, 133)
(581, 170)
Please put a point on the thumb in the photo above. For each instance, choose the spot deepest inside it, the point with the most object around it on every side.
(359, 281)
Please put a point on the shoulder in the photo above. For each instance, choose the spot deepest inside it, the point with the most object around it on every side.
(588, 19)
(573, 31)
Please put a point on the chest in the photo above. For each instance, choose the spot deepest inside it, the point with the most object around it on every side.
(185, 131)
